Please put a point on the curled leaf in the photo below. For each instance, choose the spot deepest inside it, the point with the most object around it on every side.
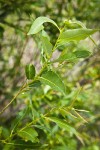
(30, 71)
(38, 25)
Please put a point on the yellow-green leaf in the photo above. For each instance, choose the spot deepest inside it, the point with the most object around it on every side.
(63, 124)
(28, 134)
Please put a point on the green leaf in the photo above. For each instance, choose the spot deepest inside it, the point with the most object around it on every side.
(82, 53)
(62, 124)
(18, 119)
(45, 34)
(5, 133)
(0, 131)
(28, 134)
(35, 84)
(65, 112)
(23, 145)
(38, 25)
(30, 71)
(75, 35)
(67, 57)
(1, 31)
(72, 25)
(53, 80)
(47, 46)
(42, 127)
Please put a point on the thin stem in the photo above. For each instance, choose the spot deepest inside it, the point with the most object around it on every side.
(72, 104)
(55, 46)
(21, 89)
(31, 105)
(83, 26)
(29, 124)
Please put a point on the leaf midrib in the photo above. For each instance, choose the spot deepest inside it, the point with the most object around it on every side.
(53, 84)
(27, 133)
(75, 36)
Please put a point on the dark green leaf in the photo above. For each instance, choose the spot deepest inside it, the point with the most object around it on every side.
(30, 71)
(23, 145)
(0, 130)
(53, 80)
(1, 31)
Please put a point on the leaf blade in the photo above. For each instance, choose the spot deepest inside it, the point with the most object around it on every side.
(28, 134)
(62, 124)
(67, 57)
(53, 80)
(47, 46)
(75, 35)
(30, 71)
(36, 26)
(82, 53)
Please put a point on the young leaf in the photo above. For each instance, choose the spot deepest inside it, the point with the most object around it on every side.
(53, 80)
(72, 25)
(47, 46)
(82, 53)
(30, 71)
(63, 124)
(38, 25)
(75, 35)
(28, 134)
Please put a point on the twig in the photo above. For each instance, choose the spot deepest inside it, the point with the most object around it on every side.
(21, 89)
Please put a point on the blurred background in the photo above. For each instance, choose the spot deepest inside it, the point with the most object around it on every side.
(17, 49)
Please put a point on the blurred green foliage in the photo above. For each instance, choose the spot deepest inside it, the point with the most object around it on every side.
(81, 77)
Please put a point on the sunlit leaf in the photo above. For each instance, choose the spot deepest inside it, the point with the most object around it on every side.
(67, 57)
(62, 124)
(53, 80)
(75, 35)
(65, 112)
(28, 134)
(42, 127)
(82, 53)
(37, 25)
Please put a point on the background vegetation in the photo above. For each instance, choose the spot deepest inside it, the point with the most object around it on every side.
(79, 108)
